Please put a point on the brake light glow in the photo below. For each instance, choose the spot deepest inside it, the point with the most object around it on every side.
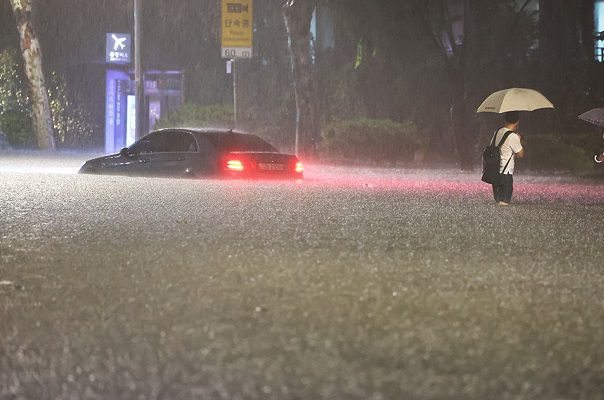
(235, 165)
(299, 167)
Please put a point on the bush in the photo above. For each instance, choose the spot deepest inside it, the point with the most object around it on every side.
(72, 123)
(193, 115)
(375, 140)
(17, 127)
(15, 120)
(553, 153)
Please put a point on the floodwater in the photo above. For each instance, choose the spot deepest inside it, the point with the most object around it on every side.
(357, 283)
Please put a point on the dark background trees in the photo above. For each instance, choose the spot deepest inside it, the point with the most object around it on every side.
(298, 16)
(424, 64)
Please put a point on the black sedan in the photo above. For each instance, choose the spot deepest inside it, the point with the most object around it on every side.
(198, 153)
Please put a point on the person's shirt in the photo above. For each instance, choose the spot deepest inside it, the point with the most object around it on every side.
(511, 146)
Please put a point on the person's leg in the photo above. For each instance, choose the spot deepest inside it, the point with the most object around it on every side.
(496, 192)
(507, 188)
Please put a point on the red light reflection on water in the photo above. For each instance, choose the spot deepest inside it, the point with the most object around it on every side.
(527, 189)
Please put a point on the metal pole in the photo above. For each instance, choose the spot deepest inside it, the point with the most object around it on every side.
(234, 93)
(138, 69)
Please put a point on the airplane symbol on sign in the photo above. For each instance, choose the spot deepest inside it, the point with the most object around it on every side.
(118, 42)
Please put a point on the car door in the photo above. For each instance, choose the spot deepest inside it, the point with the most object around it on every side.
(206, 162)
(176, 155)
(132, 161)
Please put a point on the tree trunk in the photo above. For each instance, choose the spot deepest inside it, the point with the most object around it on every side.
(298, 15)
(456, 66)
(32, 57)
(464, 140)
(459, 116)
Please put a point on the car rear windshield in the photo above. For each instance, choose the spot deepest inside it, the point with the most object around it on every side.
(239, 142)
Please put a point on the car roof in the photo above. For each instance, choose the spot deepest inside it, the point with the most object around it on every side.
(221, 137)
(212, 131)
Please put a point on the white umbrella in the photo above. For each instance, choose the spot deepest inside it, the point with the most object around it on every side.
(514, 99)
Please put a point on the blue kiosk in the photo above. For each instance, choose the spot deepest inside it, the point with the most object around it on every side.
(163, 92)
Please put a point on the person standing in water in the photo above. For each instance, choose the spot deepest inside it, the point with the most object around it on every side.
(510, 149)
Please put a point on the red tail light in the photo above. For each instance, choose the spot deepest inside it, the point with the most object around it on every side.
(299, 167)
(234, 165)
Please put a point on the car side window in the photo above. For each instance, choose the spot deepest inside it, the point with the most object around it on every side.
(160, 142)
(180, 142)
(142, 146)
(191, 144)
(166, 142)
(204, 145)
(148, 144)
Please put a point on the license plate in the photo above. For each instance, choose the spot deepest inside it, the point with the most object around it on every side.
(271, 167)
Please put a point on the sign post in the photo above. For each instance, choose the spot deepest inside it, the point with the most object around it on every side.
(236, 37)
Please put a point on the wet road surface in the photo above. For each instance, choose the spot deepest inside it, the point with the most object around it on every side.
(354, 284)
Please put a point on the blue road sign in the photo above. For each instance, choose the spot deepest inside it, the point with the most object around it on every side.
(118, 48)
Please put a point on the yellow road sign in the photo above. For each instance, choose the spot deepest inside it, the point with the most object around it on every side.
(237, 23)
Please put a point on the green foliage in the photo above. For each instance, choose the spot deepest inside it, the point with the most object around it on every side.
(375, 140)
(17, 127)
(15, 120)
(555, 154)
(72, 123)
(13, 97)
(194, 115)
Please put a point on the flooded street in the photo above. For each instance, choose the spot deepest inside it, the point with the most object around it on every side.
(389, 272)
(357, 283)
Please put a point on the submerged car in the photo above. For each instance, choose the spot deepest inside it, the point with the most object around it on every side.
(198, 153)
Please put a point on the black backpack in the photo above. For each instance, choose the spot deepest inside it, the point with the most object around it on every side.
(491, 160)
